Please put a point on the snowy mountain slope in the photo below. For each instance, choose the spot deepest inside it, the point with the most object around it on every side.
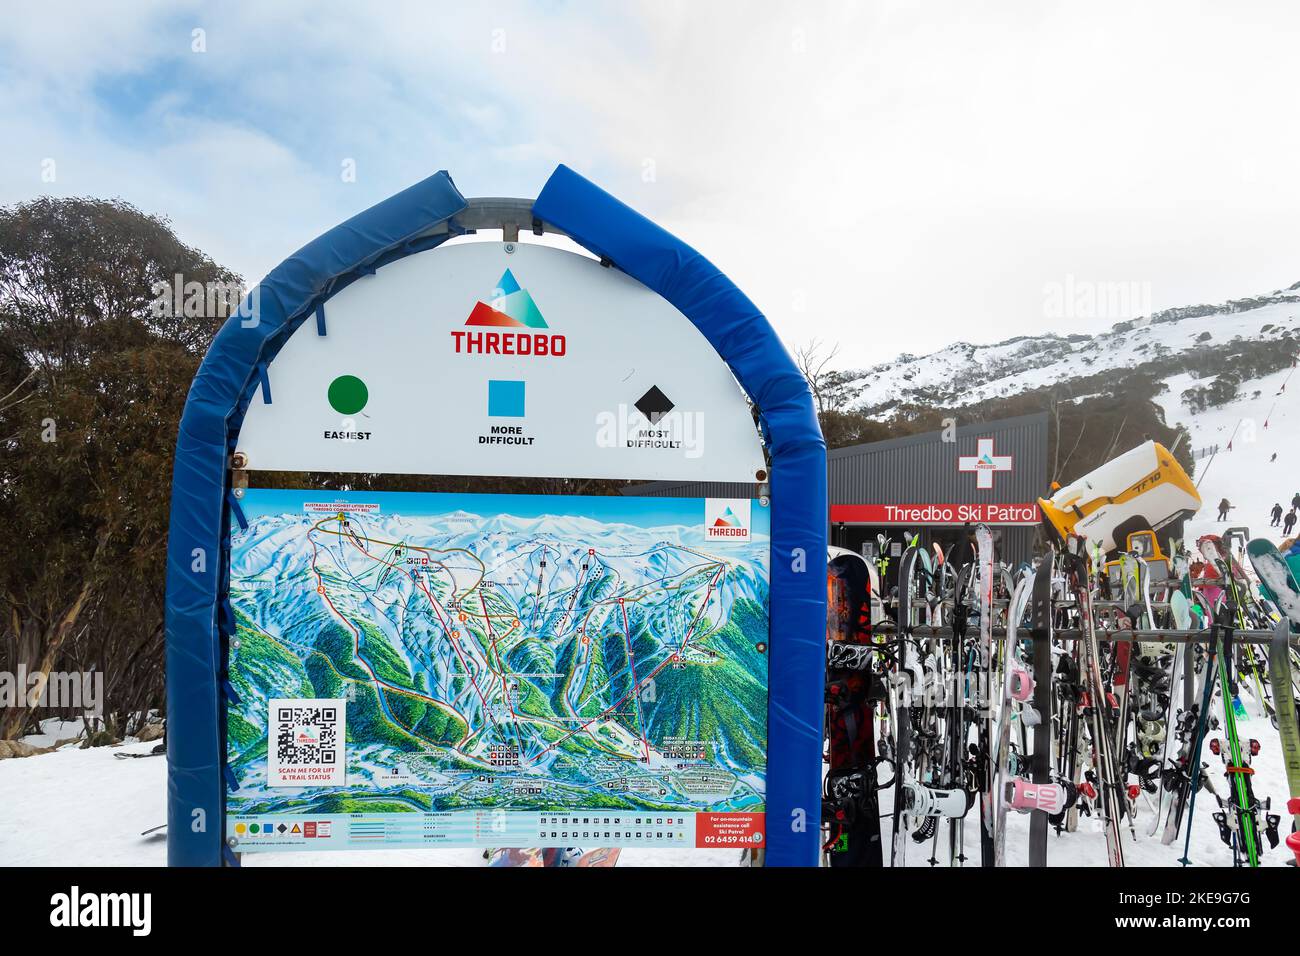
(964, 374)
(1264, 421)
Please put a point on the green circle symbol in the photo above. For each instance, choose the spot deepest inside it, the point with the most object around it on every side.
(348, 394)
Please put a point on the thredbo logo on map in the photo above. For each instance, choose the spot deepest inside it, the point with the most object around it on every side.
(727, 519)
(511, 324)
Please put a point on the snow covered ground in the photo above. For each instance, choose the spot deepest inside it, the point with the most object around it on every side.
(78, 807)
(1086, 846)
(89, 808)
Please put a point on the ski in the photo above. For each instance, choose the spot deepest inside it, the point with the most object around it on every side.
(1040, 766)
(1194, 758)
(1017, 686)
(1182, 620)
(984, 546)
(1109, 786)
(1242, 833)
(1279, 586)
(905, 686)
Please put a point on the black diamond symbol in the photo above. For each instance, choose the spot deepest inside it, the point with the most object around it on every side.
(282, 828)
(654, 405)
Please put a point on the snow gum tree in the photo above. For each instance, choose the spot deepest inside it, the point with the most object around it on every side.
(95, 364)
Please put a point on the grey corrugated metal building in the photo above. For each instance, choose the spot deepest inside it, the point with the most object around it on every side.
(931, 484)
(936, 482)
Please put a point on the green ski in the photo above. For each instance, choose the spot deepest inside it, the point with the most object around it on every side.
(1279, 585)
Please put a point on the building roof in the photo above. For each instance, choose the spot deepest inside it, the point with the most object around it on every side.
(915, 469)
(923, 469)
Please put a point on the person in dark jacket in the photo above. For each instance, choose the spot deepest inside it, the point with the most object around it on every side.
(1289, 523)
(1224, 508)
(1295, 502)
(1277, 515)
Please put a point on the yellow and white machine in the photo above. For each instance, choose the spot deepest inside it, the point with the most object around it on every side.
(1145, 546)
(1141, 490)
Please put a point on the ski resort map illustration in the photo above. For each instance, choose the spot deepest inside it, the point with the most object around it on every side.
(496, 670)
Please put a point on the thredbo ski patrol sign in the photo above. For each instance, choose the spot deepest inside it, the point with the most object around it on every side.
(362, 669)
(1026, 513)
(504, 359)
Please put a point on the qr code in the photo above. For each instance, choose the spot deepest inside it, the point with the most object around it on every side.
(306, 742)
(306, 735)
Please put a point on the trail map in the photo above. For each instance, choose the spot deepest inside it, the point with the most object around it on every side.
(497, 670)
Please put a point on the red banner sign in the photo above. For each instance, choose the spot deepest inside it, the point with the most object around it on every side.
(923, 514)
(729, 829)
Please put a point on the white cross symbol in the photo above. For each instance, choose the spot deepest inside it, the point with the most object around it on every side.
(984, 463)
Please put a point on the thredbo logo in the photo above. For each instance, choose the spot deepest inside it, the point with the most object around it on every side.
(727, 519)
(510, 307)
(75, 909)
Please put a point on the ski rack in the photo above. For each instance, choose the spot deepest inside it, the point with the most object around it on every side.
(1125, 634)
(1156, 635)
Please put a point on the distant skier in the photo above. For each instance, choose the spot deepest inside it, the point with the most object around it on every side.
(1224, 508)
(1295, 502)
(1273, 459)
(1277, 516)
(1289, 523)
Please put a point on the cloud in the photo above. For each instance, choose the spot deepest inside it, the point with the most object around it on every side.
(890, 176)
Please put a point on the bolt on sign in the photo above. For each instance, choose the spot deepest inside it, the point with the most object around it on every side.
(436, 670)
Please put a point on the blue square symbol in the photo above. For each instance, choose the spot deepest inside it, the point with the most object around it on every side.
(505, 399)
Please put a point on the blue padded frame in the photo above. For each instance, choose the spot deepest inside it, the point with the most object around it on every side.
(744, 338)
(197, 614)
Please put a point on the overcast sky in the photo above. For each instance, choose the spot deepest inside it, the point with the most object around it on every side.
(890, 176)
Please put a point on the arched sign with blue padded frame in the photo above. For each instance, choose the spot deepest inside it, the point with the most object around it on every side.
(198, 611)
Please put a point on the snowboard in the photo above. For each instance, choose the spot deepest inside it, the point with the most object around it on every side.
(1276, 580)
(850, 802)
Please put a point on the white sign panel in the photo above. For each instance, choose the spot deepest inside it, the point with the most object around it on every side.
(471, 360)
